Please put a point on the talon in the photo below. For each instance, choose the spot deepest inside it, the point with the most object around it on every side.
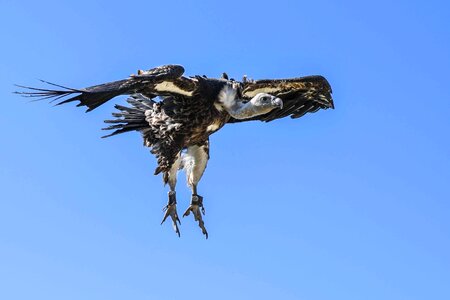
(197, 209)
(201, 224)
(171, 210)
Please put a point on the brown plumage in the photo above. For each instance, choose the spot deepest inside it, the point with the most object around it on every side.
(188, 111)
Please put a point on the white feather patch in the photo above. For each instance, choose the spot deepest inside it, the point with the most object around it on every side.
(218, 106)
(194, 163)
(213, 127)
(227, 97)
(173, 171)
(266, 90)
(169, 87)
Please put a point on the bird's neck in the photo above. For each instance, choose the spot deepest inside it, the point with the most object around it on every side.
(241, 110)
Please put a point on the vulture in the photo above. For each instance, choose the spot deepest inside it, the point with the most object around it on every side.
(176, 115)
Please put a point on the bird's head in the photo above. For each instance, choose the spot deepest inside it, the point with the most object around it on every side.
(260, 104)
(265, 102)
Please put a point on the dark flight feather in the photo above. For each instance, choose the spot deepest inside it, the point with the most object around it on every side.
(189, 109)
(300, 96)
(94, 96)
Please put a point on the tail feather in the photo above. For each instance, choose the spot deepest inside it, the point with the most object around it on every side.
(130, 118)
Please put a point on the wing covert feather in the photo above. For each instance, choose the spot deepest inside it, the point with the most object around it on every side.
(300, 96)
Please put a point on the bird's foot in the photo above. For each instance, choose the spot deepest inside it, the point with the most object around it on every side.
(197, 209)
(171, 210)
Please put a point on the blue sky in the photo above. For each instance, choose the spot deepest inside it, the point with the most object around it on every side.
(344, 204)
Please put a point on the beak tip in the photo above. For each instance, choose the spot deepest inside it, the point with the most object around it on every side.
(278, 103)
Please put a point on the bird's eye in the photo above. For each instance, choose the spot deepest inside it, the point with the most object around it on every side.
(264, 98)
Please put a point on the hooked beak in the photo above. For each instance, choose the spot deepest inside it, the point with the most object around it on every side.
(277, 102)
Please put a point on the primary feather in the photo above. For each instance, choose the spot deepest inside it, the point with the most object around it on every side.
(189, 110)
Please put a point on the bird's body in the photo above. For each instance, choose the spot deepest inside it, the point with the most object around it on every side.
(179, 122)
(177, 127)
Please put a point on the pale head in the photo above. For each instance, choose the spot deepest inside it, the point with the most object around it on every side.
(266, 102)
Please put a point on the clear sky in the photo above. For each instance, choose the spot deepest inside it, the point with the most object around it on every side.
(344, 204)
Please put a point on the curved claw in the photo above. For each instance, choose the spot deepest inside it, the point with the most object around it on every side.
(201, 224)
(171, 210)
(196, 206)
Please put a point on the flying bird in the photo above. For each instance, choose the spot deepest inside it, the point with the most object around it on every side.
(176, 115)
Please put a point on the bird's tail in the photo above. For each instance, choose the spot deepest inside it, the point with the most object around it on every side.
(130, 118)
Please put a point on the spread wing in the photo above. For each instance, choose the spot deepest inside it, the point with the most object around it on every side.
(299, 95)
(159, 81)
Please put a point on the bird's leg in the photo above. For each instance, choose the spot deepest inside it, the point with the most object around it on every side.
(194, 162)
(197, 209)
(171, 208)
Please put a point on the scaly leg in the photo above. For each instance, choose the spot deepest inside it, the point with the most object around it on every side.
(171, 208)
(196, 206)
(194, 162)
